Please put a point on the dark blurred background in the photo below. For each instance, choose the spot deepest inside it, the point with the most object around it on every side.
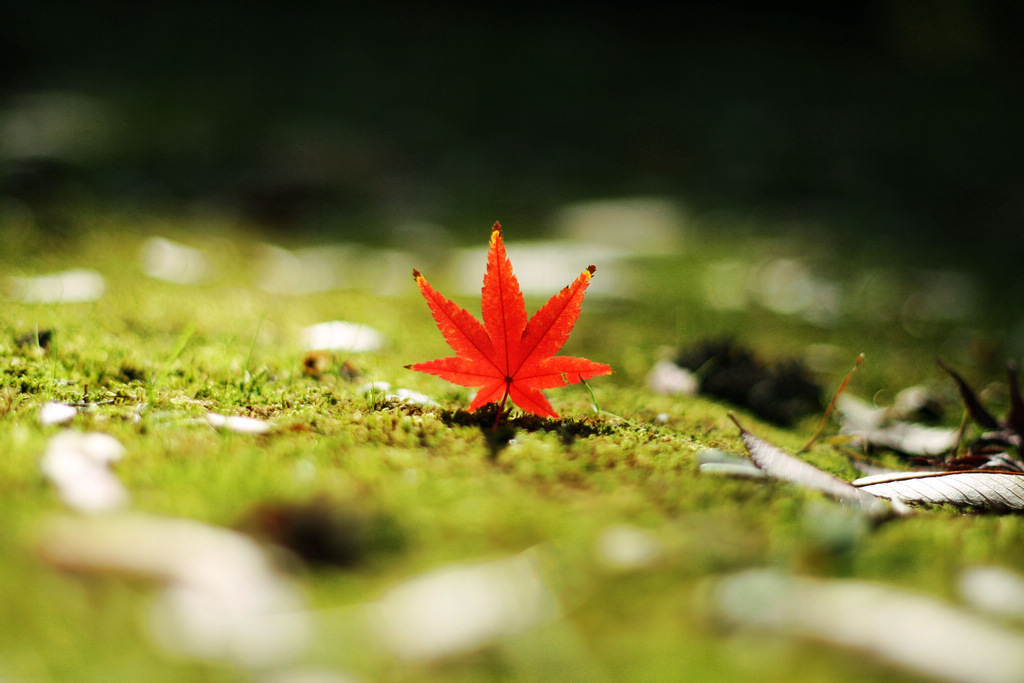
(877, 118)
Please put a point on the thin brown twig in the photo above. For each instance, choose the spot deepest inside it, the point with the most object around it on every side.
(831, 405)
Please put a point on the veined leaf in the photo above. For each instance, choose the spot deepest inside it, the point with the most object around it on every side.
(978, 488)
(508, 355)
(781, 465)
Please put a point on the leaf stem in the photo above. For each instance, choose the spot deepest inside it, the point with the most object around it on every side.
(593, 398)
(501, 409)
(831, 405)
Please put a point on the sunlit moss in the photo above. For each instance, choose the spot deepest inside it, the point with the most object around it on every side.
(149, 360)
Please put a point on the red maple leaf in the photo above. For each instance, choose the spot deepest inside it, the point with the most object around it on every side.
(509, 356)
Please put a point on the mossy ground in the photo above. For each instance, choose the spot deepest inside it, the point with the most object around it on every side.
(435, 484)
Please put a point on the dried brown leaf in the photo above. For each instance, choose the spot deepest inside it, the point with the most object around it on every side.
(972, 403)
(1015, 419)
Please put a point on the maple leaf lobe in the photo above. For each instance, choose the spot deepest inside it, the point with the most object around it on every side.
(509, 356)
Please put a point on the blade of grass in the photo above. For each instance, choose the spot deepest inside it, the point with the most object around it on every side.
(246, 377)
(179, 347)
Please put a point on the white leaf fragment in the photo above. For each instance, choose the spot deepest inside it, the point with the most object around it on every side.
(54, 413)
(915, 631)
(994, 590)
(873, 426)
(976, 488)
(164, 259)
(79, 466)
(668, 379)
(103, 449)
(781, 465)
(400, 395)
(70, 286)
(222, 598)
(715, 461)
(240, 424)
(460, 608)
(729, 469)
(410, 396)
(338, 335)
(623, 547)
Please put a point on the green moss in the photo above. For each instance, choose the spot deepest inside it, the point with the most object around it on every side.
(430, 485)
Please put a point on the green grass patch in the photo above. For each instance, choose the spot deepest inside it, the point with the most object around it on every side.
(415, 488)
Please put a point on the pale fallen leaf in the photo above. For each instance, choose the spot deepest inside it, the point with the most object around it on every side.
(410, 396)
(715, 461)
(85, 487)
(622, 547)
(914, 631)
(54, 413)
(982, 489)
(910, 438)
(729, 469)
(915, 403)
(873, 426)
(103, 449)
(338, 335)
(994, 590)
(70, 286)
(782, 465)
(240, 424)
(461, 608)
(78, 465)
(170, 261)
(668, 379)
(223, 599)
(399, 395)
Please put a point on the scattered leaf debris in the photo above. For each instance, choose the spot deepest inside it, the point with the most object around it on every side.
(781, 465)
(781, 393)
(36, 339)
(1000, 434)
(324, 532)
(316, 363)
(984, 490)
